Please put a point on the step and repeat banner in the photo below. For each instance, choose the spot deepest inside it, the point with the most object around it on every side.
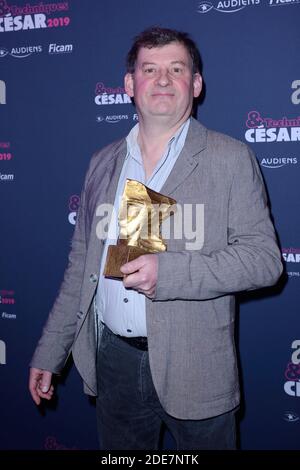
(62, 98)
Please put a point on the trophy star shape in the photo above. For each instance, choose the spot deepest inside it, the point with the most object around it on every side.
(141, 213)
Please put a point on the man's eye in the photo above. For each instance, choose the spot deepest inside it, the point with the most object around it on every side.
(149, 70)
(177, 70)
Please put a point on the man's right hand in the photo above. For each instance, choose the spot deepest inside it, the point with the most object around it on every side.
(40, 384)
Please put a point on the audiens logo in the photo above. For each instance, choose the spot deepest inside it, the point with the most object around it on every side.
(278, 162)
(2, 352)
(112, 119)
(295, 96)
(18, 18)
(73, 207)
(266, 129)
(2, 92)
(226, 6)
(107, 95)
(292, 372)
(20, 52)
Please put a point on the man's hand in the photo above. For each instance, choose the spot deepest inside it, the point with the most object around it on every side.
(40, 384)
(141, 274)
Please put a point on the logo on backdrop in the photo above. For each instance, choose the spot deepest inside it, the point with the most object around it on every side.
(73, 208)
(290, 417)
(292, 372)
(110, 96)
(267, 129)
(2, 92)
(225, 6)
(60, 48)
(278, 162)
(7, 299)
(7, 177)
(291, 257)
(295, 96)
(22, 52)
(37, 16)
(2, 352)
(112, 119)
(279, 3)
(5, 154)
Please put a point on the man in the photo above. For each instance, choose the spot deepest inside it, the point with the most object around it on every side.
(162, 346)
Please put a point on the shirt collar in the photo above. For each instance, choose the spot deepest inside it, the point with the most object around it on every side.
(133, 148)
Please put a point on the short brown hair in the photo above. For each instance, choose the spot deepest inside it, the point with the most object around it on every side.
(158, 37)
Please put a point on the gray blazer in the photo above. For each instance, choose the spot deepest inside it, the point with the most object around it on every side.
(190, 322)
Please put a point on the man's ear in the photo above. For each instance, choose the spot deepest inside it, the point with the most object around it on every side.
(197, 84)
(128, 84)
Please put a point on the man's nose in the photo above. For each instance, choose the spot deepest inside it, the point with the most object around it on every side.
(163, 78)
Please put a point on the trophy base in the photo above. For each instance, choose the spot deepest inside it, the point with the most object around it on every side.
(117, 255)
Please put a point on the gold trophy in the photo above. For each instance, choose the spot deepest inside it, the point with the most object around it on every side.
(141, 213)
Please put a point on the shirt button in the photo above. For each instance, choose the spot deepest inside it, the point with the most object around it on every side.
(129, 331)
(125, 300)
(93, 277)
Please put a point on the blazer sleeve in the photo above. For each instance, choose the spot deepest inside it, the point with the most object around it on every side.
(250, 260)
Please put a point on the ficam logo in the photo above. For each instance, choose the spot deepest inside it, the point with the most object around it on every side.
(2, 352)
(28, 17)
(73, 207)
(295, 96)
(278, 162)
(7, 176)
(278, 3)
(292, 372)
(112, 119)
(109, 96)
(225, 6)
(60, 48)
(20, 52)
(2, 92)
(266, 129)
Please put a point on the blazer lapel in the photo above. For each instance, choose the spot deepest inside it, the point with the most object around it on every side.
(106, 195)
(188, 158)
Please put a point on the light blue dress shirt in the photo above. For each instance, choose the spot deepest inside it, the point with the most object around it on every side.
(124, 310)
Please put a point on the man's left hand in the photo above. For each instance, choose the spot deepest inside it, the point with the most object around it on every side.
(141, 274)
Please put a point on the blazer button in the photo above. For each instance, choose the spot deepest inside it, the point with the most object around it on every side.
(93, 277)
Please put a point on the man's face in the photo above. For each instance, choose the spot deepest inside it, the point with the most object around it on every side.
(163, 84)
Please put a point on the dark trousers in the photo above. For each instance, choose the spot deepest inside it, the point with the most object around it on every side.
(129, 414)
